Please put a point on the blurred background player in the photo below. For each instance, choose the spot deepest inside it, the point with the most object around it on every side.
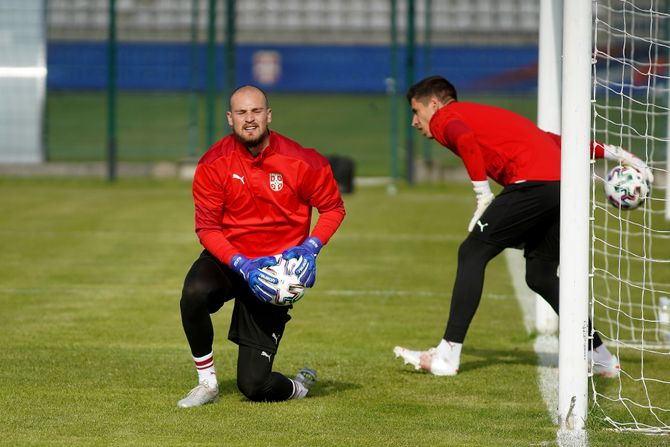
(254, 192)
(525, 160)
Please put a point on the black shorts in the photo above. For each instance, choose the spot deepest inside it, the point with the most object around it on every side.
(253, 323)
(524, 215)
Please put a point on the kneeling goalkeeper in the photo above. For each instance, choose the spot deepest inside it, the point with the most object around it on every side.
(254, 192)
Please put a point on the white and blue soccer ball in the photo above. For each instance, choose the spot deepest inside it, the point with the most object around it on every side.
(289, 289)
(626, 188)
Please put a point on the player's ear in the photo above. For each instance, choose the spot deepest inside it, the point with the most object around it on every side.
(230, 118)
(269, 115)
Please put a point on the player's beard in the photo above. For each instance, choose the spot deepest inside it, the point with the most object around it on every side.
(253, 143)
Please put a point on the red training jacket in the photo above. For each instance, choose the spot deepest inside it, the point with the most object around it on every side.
(499, 143)
(261, 206)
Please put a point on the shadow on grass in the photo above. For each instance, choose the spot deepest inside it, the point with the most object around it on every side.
(320, 388)
(494, 357)
(326, 387)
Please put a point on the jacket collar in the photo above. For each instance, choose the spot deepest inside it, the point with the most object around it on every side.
(270, 149)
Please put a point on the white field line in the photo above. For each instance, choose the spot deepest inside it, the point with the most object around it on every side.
(546, 347)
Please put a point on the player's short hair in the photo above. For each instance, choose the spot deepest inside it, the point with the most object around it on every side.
(433, 86)
(247, 86)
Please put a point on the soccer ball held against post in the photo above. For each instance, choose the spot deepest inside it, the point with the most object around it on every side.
(626, 188)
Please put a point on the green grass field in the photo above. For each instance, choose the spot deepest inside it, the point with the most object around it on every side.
(93, 351)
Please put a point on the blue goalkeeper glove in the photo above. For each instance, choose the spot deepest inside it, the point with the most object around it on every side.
(252, 274)
(306, 271)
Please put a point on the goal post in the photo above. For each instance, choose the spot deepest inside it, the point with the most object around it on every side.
(614, 263)
(575, 184)
(549, 112)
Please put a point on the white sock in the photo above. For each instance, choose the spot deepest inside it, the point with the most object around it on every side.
(206, 371)
(299, 390)
(450, 351)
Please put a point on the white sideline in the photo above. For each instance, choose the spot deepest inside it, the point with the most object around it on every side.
(546, 347)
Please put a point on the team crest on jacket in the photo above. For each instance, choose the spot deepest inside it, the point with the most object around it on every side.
(276, 182)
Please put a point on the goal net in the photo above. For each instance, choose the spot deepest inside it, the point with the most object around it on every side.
(630, 262)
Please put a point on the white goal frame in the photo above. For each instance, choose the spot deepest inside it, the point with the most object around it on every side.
(629, 48)
(22, 81)
(576, 184)
(549, 112)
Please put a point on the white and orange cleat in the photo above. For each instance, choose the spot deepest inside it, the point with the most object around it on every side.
(303, 382)
(609, 369)
(428, 360)
(603, 363)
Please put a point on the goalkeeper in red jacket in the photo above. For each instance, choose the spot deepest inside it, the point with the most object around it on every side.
(511, 150)
(254, 192)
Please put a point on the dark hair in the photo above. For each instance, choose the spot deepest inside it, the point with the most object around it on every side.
(432, 86)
